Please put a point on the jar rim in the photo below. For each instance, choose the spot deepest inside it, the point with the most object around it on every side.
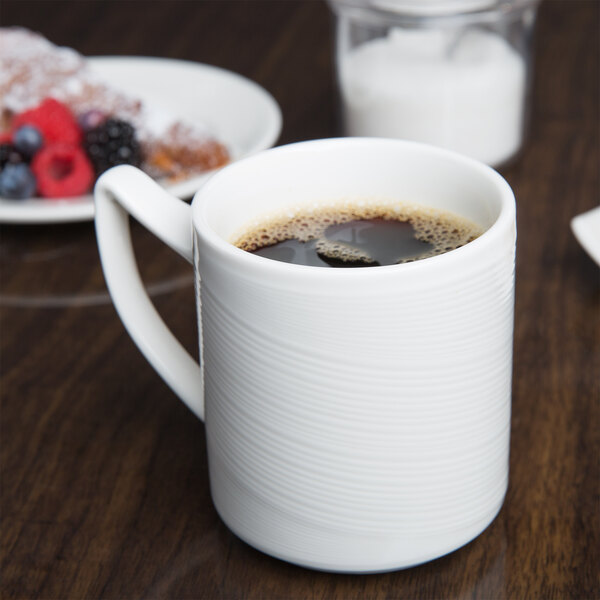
(419, 12)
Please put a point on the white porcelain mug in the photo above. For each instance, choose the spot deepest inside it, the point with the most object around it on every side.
(358, 419)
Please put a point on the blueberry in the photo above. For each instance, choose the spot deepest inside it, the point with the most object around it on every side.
(28, 140)
(17, 182)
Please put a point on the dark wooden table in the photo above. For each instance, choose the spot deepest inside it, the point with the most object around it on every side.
(103, 471)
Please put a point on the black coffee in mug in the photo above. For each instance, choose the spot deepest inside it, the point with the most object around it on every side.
(354, 235)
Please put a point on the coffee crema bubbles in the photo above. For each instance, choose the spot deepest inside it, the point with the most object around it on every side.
(354, 234)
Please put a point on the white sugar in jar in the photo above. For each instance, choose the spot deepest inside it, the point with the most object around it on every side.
(453, 73)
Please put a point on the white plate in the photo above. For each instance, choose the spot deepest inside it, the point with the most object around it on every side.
(239, 112)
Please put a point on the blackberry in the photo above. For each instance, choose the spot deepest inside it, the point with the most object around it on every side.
(9, 154)
(5, 151)
(112, 143)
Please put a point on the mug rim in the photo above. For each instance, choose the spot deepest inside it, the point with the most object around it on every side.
(201, 225)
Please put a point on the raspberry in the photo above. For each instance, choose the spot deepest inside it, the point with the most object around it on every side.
(112, 143)
(62, 170)
(53, 120)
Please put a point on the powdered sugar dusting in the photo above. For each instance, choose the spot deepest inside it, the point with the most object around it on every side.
(32, 68)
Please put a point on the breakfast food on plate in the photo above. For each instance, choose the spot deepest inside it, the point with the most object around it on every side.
(61, 126)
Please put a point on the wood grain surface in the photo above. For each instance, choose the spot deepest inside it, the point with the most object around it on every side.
(104, 489)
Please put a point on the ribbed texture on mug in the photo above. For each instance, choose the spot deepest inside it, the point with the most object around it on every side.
(358, 416)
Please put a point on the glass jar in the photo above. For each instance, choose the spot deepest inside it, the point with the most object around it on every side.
(453, 73)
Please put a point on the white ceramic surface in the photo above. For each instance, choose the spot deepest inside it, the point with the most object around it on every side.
(357, 420)
(586, 228)
(235, 109)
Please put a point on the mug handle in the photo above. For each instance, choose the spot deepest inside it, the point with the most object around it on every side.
(125, 190)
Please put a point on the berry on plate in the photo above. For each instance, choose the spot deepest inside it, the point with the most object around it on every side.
(112, 143)
(91, 119)
(9, 154)
(62, 170)
(27, 139)
(17, 181)
(53, 120)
